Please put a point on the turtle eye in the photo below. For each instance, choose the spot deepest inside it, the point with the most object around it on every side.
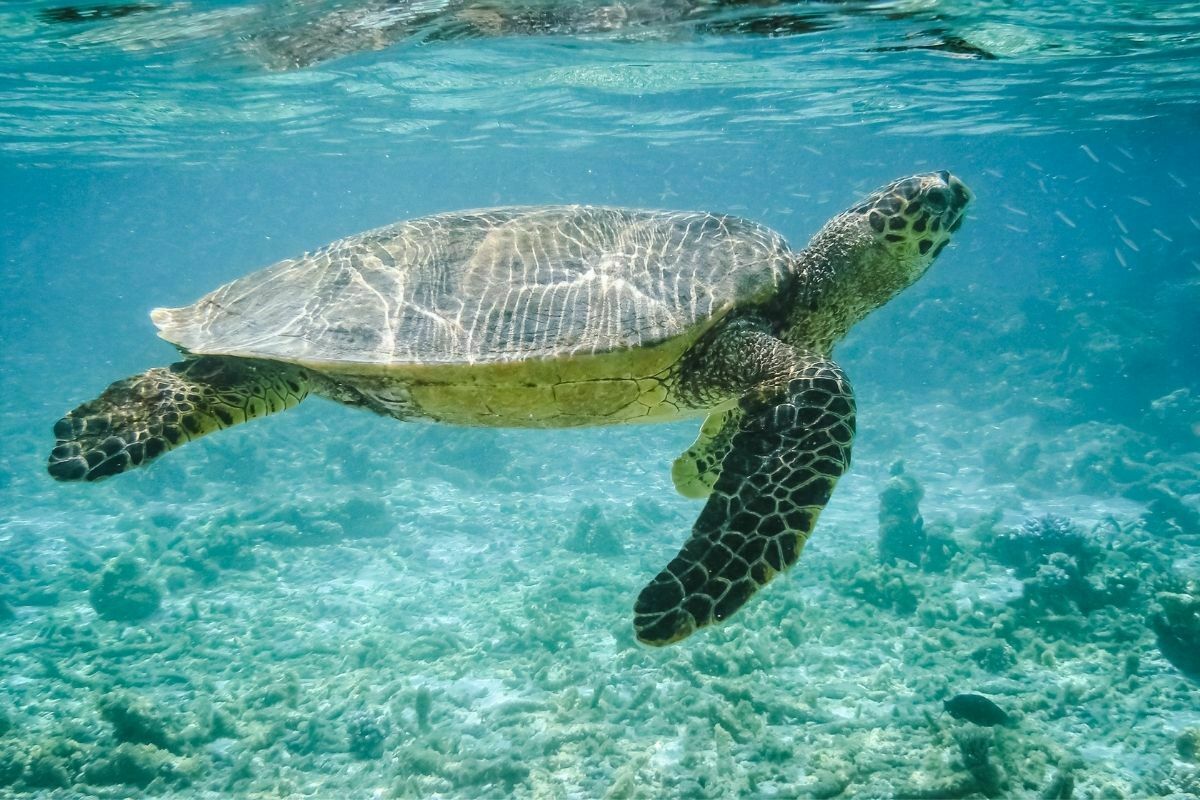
(938, 199)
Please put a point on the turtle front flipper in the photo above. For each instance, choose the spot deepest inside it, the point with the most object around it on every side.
(791, 444)
(139, 418)
(695, 472)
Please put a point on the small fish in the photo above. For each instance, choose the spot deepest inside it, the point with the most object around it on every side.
(1116, 168)
(1125, 153)
(1014, 209)
(1141, 201)
(1120, 225)
(1131, 244)
(1088, 152)
(1177, 180)
(1120, 258)
(1066, 220)
(1035, 165)
(975, 708)
(1161, 235)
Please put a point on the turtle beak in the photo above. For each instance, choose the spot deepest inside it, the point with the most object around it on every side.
(957, 197)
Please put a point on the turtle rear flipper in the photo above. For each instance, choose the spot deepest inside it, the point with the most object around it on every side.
(791, 444)
(139, 418)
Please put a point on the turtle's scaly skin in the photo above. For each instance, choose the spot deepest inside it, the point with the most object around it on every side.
(138, 419)
(559, 316)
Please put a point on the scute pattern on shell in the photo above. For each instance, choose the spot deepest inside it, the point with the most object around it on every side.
(500, 284)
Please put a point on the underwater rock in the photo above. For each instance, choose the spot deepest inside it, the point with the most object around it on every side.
(594, 535)
(975, 708)
(135, 720)
(901, 528)
(367, 733)
(1177, 626)
(123, 592)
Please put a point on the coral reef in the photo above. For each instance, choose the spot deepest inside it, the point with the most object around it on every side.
(897, 589)
(136, 720)
(1177, 626)
(435, 660)
(995, 656)
(1168, 515)
(901, 528)
(594, 534)
(1061, 571)
(422, 706)
(123, 592)
(975, 749)
(140, 765)
(367, 732)
(1062, 784)
(1187, 744)
(1175, 415)
(1030, 547)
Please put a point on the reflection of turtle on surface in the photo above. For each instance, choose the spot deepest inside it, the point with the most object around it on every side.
(562, 316)
(369, 25)
(306, 32)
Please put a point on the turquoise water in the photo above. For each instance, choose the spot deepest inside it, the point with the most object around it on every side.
(340, 605)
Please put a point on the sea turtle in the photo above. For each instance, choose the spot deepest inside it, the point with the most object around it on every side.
(562, 316)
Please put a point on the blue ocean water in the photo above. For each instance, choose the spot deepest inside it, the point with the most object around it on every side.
(343, 605)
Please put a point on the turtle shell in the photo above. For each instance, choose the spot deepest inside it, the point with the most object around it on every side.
(496, 285)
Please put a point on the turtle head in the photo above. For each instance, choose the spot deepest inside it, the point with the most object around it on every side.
(912, 219)
(863, 257)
